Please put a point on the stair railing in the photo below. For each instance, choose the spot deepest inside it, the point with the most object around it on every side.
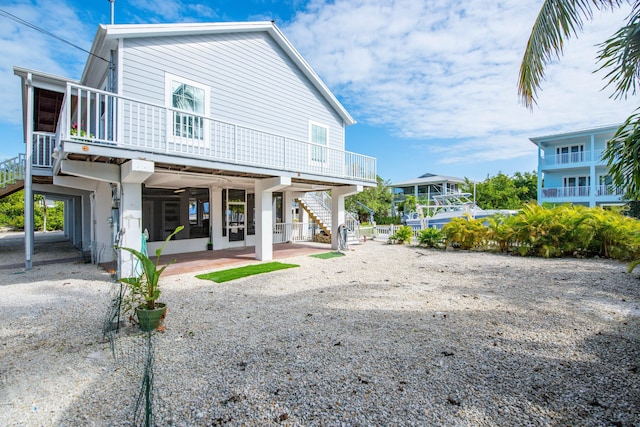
(12, 170)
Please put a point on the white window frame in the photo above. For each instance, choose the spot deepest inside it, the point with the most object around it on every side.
(570, 154)
(169, 80)
(576, 188)
(315, 148)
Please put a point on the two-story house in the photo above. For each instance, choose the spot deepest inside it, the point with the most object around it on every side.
(219, 127)
(424, 188)
(571, 169)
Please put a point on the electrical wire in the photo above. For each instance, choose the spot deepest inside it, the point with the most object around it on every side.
(45, 32)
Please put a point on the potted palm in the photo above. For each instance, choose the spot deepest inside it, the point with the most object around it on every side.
(144, 290)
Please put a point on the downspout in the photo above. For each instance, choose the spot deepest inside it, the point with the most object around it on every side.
(28, 186)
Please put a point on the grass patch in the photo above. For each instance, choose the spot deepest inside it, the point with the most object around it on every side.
(240, 272)
(328, 255)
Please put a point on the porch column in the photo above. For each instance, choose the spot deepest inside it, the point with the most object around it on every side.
(540, 148)
(216, 218)
(29, 234)
(133, 174)
(593, 178)
(337, 209)
(264, 214)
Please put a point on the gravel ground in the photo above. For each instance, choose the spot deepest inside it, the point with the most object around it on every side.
(386, 335)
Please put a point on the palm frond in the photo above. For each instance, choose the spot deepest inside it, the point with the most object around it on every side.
(623, 157)
(557, 21)
(620, 54)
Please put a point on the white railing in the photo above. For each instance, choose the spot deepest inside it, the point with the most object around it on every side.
(43, 145)
(12, 170)
(294, 232)
(97, 117)
(572, 158)
(562, 192)
(320, 204)
(606, 190)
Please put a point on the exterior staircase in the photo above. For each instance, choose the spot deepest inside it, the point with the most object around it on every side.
(12, 174)
(318, 206)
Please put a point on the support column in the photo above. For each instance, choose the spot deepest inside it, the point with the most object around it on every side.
(133, 174)
(593, 178)
(337, 209)
(264, 214)
(215, 218)
(28, 192)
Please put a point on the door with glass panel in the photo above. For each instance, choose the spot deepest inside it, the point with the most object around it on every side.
(235, 215)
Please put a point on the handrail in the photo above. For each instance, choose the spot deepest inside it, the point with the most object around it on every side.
(12, 170)
(94, 116)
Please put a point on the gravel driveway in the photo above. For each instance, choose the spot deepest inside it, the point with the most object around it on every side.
(386, 335)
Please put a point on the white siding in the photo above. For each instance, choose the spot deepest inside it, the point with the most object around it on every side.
(253, 82)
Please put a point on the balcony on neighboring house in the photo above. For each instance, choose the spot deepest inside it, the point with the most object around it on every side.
(581, 191)
(575, 159)
(91, 117)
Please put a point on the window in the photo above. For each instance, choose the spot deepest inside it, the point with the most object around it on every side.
(570, 154)
(605, 185)
(318, 136)
(576, 186)
(189, 101)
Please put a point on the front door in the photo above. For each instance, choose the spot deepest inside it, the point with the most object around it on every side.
(236, 221)
(235, 217)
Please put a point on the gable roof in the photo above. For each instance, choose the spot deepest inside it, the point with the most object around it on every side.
(107, 37)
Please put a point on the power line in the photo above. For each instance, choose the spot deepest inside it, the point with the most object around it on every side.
(43, 31)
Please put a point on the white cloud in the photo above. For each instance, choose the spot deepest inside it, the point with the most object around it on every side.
(25, 47)
(448, 70)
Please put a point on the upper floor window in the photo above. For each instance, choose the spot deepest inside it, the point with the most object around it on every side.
(570, 154)
(318, 136)
(189, 101)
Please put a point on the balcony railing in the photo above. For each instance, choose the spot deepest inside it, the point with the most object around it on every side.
(571, 159)
(102, 118)
(568, 192)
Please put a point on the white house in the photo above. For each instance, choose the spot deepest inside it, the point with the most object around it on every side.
(424, 188)
(219, 127)
(571, 168)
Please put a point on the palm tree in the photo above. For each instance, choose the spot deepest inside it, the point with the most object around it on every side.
(619, 57)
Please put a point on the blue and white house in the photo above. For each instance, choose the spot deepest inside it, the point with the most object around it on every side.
(220, 127)
(571, 168)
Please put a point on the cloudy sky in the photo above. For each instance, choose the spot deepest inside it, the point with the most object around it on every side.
(432, 84)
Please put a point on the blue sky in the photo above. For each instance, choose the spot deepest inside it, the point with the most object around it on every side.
(432, 84)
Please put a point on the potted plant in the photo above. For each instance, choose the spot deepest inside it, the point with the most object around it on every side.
(144, 290)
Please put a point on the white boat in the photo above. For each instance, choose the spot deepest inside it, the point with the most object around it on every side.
(447, 206)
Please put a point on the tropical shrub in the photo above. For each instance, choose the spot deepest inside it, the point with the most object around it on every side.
(430, 238)
(465, 233)
(500, 232)
(403, 234)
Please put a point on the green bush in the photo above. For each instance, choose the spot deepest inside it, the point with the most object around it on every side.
(403, 234)
(430, 238)
(465, 233)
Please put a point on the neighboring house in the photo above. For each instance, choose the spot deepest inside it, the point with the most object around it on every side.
(424, 188)
(220, 127)
(571, 169)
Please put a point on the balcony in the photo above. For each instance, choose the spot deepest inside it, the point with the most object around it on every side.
(576, 192)
(560, 161)
(94, 117)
